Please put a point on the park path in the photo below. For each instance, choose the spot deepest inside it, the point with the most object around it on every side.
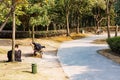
(80, 60)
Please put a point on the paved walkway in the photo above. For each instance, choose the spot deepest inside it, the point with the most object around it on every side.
(80, 60)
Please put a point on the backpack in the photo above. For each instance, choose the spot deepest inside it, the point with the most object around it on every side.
(37, 46)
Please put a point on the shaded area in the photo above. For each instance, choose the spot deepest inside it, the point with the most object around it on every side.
(27, 55)
(5, 42)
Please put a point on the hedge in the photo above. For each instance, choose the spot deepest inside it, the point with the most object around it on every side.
(114, 44)
(27, 34)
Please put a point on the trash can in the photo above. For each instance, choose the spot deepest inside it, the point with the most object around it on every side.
(34, 68)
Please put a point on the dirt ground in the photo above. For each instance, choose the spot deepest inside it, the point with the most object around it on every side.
(107, 52)
(48, 68)
(110, 55)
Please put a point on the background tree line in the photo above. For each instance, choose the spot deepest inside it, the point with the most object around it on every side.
(59, 14)
(39, 15)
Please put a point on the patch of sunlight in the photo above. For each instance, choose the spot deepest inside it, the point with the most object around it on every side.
(2, 51)
(60, 38)
(100, 41)
(77, 36)
(73, 36)
(72, 70)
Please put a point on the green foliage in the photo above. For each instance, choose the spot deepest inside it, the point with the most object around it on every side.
(117, 6)
(34, 1)
(100, 3)
(114, 44)
(34, 21)
(4, 9)
(39, 13)
(117, 10)
(34, 9)
(99, 8)
(48, 12)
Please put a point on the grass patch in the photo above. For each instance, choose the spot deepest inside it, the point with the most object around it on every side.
(77, 36)
(73, 36)
(100, 41)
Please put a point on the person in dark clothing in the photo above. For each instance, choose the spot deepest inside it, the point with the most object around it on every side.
(17, 54)
(9, 55)
(37, 47)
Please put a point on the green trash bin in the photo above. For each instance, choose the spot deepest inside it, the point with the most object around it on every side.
(34, 68)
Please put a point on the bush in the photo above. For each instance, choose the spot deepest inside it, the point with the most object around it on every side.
(18, 34)
(114, 44)
(27, 34)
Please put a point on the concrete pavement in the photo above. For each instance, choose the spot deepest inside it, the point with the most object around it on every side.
(80, 60)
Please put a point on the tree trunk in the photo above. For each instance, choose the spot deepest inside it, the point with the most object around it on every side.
(67, 21)
(78, 29)
(108, 19)
(47, 28)
(13, 32)
(33, 35)
(116, 31)
(30, 33)
(54, 26)
(97, 25)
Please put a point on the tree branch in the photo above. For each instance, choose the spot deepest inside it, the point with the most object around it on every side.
(7, 17)
(101, 19)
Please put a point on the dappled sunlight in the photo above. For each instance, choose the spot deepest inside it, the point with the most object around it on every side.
(3, 51)
(84, 43)
(73, 70)
(49, 56)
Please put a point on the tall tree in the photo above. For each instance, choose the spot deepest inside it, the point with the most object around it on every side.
(38, 12)
(6, 11)
(81, 8)
(108, 17)
(99, 12)
(117, 10)
(66, 5)
(109, 4)
(117, 18)
(13, 29)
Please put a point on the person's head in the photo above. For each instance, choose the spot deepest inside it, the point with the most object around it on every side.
(33, 43)
(16, 46)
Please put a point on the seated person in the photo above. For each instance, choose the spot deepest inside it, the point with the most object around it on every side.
(9, 56)
(17, 54)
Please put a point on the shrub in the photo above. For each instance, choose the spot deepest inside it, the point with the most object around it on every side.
(114, 44)
(27, 34)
